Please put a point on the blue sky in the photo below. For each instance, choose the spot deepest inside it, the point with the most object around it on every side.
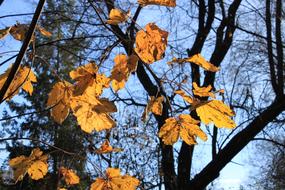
(234, 174)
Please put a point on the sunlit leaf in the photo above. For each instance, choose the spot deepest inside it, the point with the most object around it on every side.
(115, 181)
(154, 105)
(184, 126)
(151, 44)
(117, 16)
(107, 148)
(69, 176)
(87, 77)
(203, 91)
(92, 113)
(59, 99)
(23, 79)
(4, 32)
(169, 3)
(35, 165)
(43, 31)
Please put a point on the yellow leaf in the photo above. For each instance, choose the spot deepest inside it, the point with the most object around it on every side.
(4, 32)
(69, 176)
(23, 78)
(201, 61)
(107, 148)
(151, 44)
(115, 181)
(92, 113)
(215, 111)
(122, 69)
(43, 31)
(198, 59)
(184, 126)
(59, 98)
(203, 91)
(169, 3)
(87, 77)
(154, 105)
(116, 16)
(35, 165)
(187, 98)
(18, 31)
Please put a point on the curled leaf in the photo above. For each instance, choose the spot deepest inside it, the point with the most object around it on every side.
(4, 32)
(203, 91)
(69, 176)
(107, 148)
(116, 16)
(169, 3)
(154, 105)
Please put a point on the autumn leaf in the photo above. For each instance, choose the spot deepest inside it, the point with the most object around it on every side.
(43, 31)
(115, 181)
(197, 59)
(169, 3)
(23, 79)
(35, 165)
(69, 176)
(92, 113)
(151, 44)
(4, 32)
(18, 31)
(59, 99)
(116, 16)
(107, 148)
(215, 111)
(87, 77)
(184, 126)
(122, 69)
(187, 98)
(203, 91)
(154, 105)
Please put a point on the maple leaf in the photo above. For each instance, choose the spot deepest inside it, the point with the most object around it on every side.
(4, 32)
(116, 16)
(169, 3)
(217, 112)
(23, 78)
(213, 111)
(151, 44)
(92, 113)
(87, 77)
(35, 165)
(69, 176)
(184, 126)
(203, 91)
(154, 105)
(115, 181)
(198, 59)
(59, 98)
(107, 148)
(124, 65)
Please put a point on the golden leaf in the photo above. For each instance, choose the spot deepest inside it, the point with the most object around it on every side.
(115, 181)
(87, 77)
(23, 78)
(184, 126)
(69, 176)
(18, 31)
(198, 59)
(43, 31)
(169, 3)
(122, 69)
(217, 112)
(151, 44)
(59, 98)
(92, 113)
(116, 16)
(187, 98)
(35, 165)
(107, 148)
(203, 91)
(154, 105)
(4, 32)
